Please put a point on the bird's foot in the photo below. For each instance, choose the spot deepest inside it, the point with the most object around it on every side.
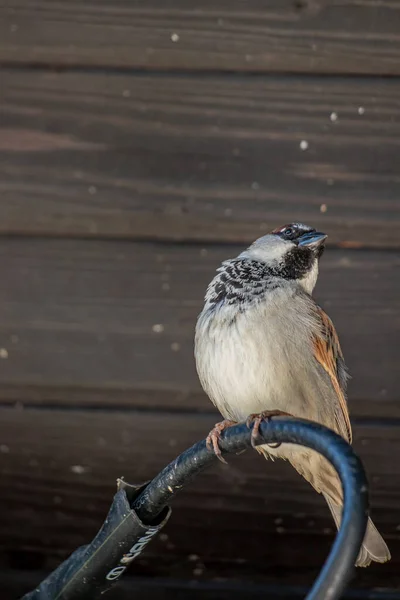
(214, 435)
(258, 418)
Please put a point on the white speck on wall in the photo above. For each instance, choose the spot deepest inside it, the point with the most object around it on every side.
(228, 212)
(203, 252)
(175, 346)
(3, 353)
(303, 145)
(4, 449)
(361, 110)
(14, 338)
(193, 557)
(174, 37)
(92, 189)
(334, 117)
(165, 287)
(126, 93)
(158, 328)
(323, 208)
(280, 530)
(255, 185)
(13, 28)
(78, 469)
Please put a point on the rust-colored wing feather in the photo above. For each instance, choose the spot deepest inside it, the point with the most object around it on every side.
(328, 353)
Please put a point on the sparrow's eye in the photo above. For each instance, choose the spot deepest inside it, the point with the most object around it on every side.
(288, 231)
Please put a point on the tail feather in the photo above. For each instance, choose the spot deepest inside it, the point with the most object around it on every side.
(324, 479)
(374, 547)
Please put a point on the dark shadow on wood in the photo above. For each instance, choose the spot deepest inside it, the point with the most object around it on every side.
(58, 472)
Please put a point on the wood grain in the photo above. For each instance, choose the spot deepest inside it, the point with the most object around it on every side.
(188, 401)
(280, 35)
(15, 584)
(198, 158)
(140, 145)
(120, 316)
(251, 519)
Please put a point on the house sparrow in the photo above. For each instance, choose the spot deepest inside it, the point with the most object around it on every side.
(264, 347)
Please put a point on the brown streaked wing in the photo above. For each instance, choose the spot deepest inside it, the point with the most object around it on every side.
(328, 353)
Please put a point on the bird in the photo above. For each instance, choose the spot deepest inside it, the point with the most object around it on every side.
(264, 347)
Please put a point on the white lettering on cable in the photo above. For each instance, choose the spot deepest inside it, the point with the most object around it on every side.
(136, 549)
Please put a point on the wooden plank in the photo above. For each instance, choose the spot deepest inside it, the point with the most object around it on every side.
(250, 520)
(16, 583)
(182, 400)
(183, 158)
(120, 316)
(279, 35)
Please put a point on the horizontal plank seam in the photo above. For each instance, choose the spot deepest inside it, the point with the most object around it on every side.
(182, 72)
(382, 422)
(197, 243)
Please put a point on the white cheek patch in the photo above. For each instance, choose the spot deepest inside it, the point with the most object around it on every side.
(310, 279)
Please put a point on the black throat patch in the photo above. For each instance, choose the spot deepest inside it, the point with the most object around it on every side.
(243, 280)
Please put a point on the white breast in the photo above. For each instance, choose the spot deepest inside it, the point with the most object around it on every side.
(257, 359)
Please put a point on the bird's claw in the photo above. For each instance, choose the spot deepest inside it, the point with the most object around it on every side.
(212, 440)
(257, 418)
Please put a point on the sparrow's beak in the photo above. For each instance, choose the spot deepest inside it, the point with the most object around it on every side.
(313, 240)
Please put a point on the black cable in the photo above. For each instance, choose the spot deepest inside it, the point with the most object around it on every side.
(338, 568)
(138, 513)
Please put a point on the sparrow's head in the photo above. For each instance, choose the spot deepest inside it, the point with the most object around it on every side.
(291, 252)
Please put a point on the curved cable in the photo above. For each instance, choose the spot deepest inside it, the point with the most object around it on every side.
(339, 565)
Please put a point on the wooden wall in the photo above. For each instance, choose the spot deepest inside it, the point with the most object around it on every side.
(140, 145)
